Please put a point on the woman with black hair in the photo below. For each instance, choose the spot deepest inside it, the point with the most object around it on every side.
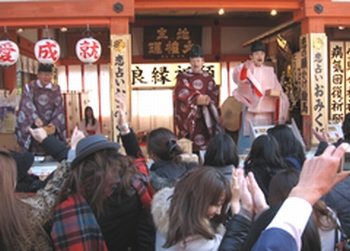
(89, 125)
(290, 147)
(222, 153)
(264, 160)
(167, 167)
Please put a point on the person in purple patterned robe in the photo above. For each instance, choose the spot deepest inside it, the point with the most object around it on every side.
(41, 105)
(196, 99)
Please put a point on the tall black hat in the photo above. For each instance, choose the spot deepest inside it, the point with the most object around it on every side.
(257, 46)
(196, 51)
(45, 68)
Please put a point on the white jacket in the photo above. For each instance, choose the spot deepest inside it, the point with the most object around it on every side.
(160, 207)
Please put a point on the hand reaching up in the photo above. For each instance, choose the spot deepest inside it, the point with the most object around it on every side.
(76, 137)
(122, 120)
(258, 196)
(321, 137)
(320, 174)
(235, 189)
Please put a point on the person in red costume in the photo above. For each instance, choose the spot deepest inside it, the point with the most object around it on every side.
(196, 101)
(260, 91)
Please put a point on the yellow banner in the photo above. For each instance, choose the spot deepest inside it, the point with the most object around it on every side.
(120, 75)
(337, 81)
(318, 81)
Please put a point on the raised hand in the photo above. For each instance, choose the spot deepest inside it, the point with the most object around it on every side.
(77, 135)
(320, 174)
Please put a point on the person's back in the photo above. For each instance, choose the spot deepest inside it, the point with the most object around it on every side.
(339, 200)
(167, 167)
(222, 154)
(264, 160)
(120, 221)
(290, 147)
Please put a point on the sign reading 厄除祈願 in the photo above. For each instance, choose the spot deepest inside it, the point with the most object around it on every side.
(170, 41)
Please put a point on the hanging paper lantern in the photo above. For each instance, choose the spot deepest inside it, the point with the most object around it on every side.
(88, 50)
(9, 53)
(47, 51)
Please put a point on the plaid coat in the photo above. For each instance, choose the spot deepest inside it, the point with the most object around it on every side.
(75, 227)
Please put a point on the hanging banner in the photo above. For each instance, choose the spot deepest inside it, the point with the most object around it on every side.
(156, 76)
(294, 98)
(318, 81)
(304, 75)
(347, 78)
(337, 81)
(120, 75)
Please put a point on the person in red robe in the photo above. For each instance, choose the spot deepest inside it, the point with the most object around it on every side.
(196, 101)
(41, 105)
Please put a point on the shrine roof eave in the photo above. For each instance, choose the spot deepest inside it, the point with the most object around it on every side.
(56, 12)
(228, 5)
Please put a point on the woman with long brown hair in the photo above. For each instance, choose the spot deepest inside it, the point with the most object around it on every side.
(191, 215)
(22, 220)
(107, 189)
(17, 232)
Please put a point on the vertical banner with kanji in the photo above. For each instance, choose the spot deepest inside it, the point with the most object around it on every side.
(120, 75)
(347, 77)
(304, 75)
(318, 82)
(337, 81)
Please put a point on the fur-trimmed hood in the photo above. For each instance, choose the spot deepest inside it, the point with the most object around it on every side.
(159, 209)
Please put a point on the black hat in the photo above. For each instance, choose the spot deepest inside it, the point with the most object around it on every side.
(196, 51)
(45, 68)
(92, 144)
(257, 46)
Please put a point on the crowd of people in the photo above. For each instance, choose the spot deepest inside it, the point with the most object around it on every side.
(100, 199)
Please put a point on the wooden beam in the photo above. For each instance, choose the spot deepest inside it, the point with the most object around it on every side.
(216, 39)
(330, 9)
(55, 23)
(119, 26)
(202, 21)
(64, 9)
(337, 21)
(269, 33)
(312, 25)
(207, 58)
(228, 5)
